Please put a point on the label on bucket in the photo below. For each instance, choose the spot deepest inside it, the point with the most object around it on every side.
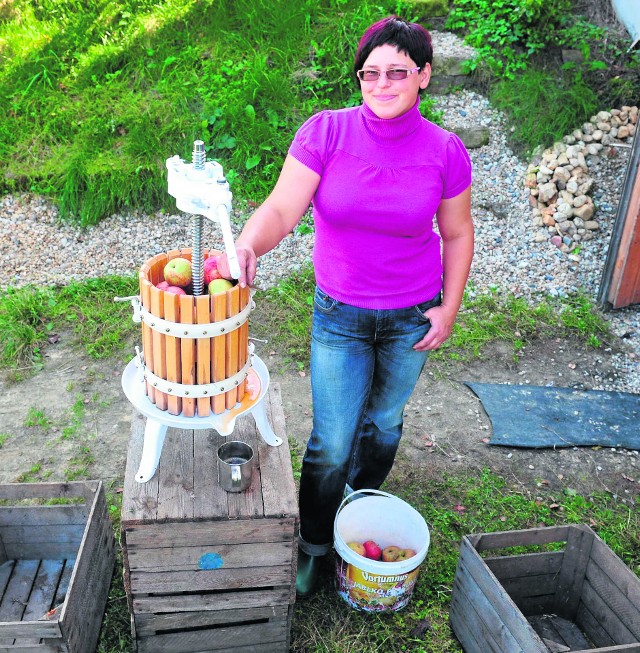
(374, 592)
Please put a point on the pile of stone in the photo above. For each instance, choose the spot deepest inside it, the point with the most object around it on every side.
(559, 183)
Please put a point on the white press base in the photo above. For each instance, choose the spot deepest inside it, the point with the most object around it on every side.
(158, 421)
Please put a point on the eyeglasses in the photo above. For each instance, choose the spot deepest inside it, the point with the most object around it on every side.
(394, 74)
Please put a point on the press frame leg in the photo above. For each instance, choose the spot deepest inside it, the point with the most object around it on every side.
(154, 433)
(262, 424)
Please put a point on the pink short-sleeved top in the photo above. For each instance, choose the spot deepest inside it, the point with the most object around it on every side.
(381, 184)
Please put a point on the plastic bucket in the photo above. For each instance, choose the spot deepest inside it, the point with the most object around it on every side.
(371, 585)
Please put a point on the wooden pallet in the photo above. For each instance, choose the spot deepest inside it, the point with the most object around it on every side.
(207, 570)
(582, 598)
(188, 360)
(56, 563)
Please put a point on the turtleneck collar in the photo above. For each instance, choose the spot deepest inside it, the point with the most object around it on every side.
(391, 130)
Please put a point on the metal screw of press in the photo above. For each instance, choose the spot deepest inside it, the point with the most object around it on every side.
(197, 258)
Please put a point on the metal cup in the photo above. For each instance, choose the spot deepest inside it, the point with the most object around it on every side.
(235, 466)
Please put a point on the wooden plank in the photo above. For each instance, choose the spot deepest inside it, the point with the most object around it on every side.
(71, 490)
(480, 618)
(188, 353)
(278, 487)
(231, 556)
(209, 498)
(54, 647)
(218, 639)
(63, 585)
(147, 331)
(151, 624)
(208, 532)
(592, 628)
(203, 354)
(6, 569)
(528, 537)
(614, 597)
(11, 516)
(544, 626)
(606, 617)
(243, 348)
(175, 491)
(514, 621)
(41, 600)
(625, 276)
(247, 504)
(620, 648)
(174, 369)
(139, 500)
(222, 602)
(571, 634)
(166, 582)
(82, 612)
(218, 350)
(620, 578)
(526, 564)
(572, 573)
(232, 342)
(43, 541)
(530, 605)
(16, 595)
(159, 346)
(466, 633)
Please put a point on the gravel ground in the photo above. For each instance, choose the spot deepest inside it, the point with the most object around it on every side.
(39, 249)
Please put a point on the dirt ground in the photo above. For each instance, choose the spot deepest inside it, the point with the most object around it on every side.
(72, 419)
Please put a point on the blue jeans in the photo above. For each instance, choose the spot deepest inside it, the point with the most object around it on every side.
(363, 371)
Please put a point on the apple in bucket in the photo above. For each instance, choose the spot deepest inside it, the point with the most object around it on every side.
(357, 547)
(177, 272)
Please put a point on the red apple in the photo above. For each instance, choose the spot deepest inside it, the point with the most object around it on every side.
(178, 272)
(163, 285)
(176, 290)
(211, 270)
(372, 550)
(390, 553)
(357, 547)
(219, 285)
(406, 553)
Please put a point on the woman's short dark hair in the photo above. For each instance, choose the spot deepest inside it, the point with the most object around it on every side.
(410, 38)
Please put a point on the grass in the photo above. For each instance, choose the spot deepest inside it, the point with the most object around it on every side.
(565, 100)
(287, 309)
(453, 505)
(96, 96)
(30, 316)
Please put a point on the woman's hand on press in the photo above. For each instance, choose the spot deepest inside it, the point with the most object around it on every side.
(247, 261)
(442, 319)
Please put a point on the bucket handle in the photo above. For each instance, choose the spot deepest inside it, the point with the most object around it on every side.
(365, 491)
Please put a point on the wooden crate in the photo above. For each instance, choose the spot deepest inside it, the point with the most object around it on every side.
(207, 570)
(191, 361)
(57, 552)
(581, 598)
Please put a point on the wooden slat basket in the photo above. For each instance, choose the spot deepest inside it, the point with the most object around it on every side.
(580, 598)
(208, 571)
(56, 560)
(192, 361)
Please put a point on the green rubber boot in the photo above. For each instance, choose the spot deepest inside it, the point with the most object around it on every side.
(307, 576)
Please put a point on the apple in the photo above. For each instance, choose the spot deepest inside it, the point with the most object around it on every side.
(163, 285)
(357, 547)
(405, 554)
(390, 553)
(177, 272)
(211, 270)
(372, 550)
(176, 290)
(219, 285)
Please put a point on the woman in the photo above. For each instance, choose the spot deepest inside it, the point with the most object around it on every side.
(376, 175)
